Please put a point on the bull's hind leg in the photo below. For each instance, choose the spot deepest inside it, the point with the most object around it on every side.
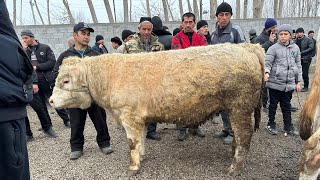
(242, 126)
(143, 140)
(134, 134)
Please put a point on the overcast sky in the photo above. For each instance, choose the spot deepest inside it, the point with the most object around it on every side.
(81, 11)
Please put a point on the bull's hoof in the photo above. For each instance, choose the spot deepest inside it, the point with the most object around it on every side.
(132, 173)
(232, 172)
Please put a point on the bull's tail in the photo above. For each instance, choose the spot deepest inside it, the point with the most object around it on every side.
(259, 51)
(309, 110)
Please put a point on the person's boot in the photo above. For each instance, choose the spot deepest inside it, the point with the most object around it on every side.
(221, 134)
(198, 132)
(304, 90)
(106, 150)
(228, 139)
(51, 133)
(154, 136)
(67, 124)
(182, 135)
(29, 138)
(76, 155)
(293, 109)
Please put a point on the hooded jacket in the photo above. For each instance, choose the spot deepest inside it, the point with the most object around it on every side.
(283, 63)
(181, 40)
(164, 36)
(15, 72)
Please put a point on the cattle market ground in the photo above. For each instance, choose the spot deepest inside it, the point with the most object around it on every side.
(270, 157)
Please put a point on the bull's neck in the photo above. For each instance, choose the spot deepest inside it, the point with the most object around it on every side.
(97, 75)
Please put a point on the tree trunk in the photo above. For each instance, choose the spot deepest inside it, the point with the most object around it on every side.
(238, 9)
(92, 11)
(35, 2)
(114, 11)
(125, 11)
(280, 10)
(109, 12)
(245, 9)
(180, 8)
(148, 8)
(200, 9)
(21, 12)
(66, 5)
(130, 10)
(14, 22)
(170, 11)
(48, 12)
(257, 8)
(213, 7)
(34, 18)
(195, 9)
(189, 6)
(165, 10)
(275, 8)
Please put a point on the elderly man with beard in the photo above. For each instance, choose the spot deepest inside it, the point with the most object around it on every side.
(185, 38)
(145, 41)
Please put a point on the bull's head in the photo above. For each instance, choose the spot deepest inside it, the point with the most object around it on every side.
(71, 89)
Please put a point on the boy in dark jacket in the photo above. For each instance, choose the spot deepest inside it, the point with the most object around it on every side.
(15, 93)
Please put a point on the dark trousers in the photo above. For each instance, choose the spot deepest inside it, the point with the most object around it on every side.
(14, 163)
(305, 73)
(45, 91)
(152, 127)
(226, 123)
(42, 112)
(265, 97)
(284, 99)
(77, 121)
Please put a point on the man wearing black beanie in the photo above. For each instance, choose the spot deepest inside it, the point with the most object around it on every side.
(202, 27)
(99, 45)
(226, 32)
(306, 46)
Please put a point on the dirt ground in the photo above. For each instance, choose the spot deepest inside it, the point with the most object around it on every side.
(270, 157)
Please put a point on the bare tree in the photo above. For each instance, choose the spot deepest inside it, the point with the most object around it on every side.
(66, 5)
(21, 12)
(48, 12)
(148, 8)
(170, 11)
(200, 9)
(125, 11)
(14, 13)
(165, 10)
(195, 9)
(109, 12)
(257, 8)
(213, 7)
(34, 18)
(130, 10)
(189, 6)
(92, 11)
(245, 9)
(275, 8)
(280, 10)
(238, 9)
(114, 11)
(35, 3)
(180, 8)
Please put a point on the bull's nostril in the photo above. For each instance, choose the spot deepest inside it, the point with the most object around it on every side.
(50, 101)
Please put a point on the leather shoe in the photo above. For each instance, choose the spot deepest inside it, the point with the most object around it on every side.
(228, 139)
(221, 134)
(106, 150)
(182, 136)
(198, 132)
(67, 124)
(76, 155)
(304, 89)
(154, 136)
(51, 133)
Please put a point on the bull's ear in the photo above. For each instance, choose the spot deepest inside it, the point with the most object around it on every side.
(73, 60)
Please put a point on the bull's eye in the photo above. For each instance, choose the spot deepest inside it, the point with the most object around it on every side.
(65, 81)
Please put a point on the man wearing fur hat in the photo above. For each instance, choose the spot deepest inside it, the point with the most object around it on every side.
(145, 41)
(306, 46)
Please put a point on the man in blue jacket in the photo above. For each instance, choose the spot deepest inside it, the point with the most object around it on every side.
(16, 91)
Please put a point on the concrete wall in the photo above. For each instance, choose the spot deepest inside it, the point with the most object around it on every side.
(56, 35)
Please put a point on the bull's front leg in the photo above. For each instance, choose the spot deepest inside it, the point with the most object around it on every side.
(143, 140)
(134, 135)
(243, 130)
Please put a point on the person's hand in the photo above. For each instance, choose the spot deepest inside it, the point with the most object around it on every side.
(266, 76)
(100, 46)
(24, 45)
(35, 88)
(35, 68)
(298, 87)
(272, 37)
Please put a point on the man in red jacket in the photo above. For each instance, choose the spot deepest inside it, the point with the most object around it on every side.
(185, 38)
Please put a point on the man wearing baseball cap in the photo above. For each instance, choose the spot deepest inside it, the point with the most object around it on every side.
(81, 48)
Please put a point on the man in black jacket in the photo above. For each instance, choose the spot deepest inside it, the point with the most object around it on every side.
(306, 46)
(164, 36)
(43, 61)
(16, 89)
(81, 48)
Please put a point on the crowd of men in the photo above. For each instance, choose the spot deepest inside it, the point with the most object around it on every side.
(151, 36)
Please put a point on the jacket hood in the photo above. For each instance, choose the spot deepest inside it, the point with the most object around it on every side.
(161, 32)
